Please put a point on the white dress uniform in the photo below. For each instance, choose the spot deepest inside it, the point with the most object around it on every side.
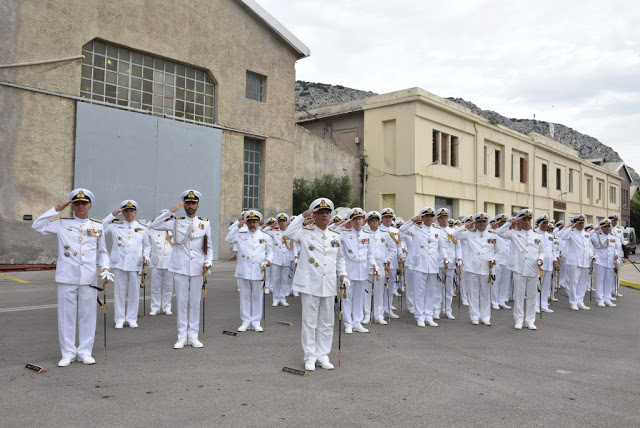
(526, 252)
(464, 250)
(130, 245)
(500, 289)
(550, 256)
(355, 247)
(187, 263)
(280, 263)
(255, 249)
(578, 255)
(482, 250)
(320, 261)
(618, 233)
(377, 255)
(607, 247)
(407, 240)
(427, 255)
(161, 279)
(81, 245)
(444, 290)
(394, 250)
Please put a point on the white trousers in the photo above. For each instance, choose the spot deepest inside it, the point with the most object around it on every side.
(279, 281)
(161, 289)
(546, 291)
(366, 298)
(504, 284)
(188, 296)
(250, 301)
(563, 272)
(604, 282)
(317, 327)
(269, 282)
(498, 271)
(577, 280)
(76, 304)
(387, 300)
(524, 286)
(464, 287)
(424, 295)
(479, 296)
(409, 290)
(444, 292)
(378, 296)
(126, 287)
(352, 306)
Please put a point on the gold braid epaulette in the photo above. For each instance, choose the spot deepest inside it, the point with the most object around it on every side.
(288, 245)
(454, 240)
(395, 237)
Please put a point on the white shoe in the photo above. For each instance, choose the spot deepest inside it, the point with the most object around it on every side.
(436, 316)
(274, 304)
(266, 291)
(365, 320)
(465, 303)
(496, 307)
(180, 343)
(574, 307)
(195, 343)
(613, 298)
(601, 304)
(518, 326)
(348, 330)
(583, 306)
(309, 366)
(133, 325)
(393, 316)
(486, 322)
(421, 324)
(553, 299)
(395, 293)
(284, 303)
(619, 295)
(65, 361)
(411, 311)
(360, 329)
(531, 326)
(537, 310)
(153, 313)
(295, 294)
(168, 312)
(325, 364)
(450, 316)
(243, 327)
(86, 359)
(258, 328)
(393, 308)
(432, 323)
(547, 310)
(475, 322)
(119, 325)
(611, 305)
(381, 321)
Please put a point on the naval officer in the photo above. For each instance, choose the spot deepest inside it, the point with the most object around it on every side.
(80, 246)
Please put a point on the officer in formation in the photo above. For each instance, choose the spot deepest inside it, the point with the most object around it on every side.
(81, 246)
(191, 258)
(355, 247)
(501, 290)
(256, 252)
(129, 251)
(608, 251)
(549, 263)
(161, 279)
(281, 271)
(444, 287)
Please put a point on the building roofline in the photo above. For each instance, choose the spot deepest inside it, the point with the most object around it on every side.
(331, 110)
(302, 50)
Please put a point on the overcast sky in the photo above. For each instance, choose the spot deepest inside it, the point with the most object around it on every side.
(570, 62)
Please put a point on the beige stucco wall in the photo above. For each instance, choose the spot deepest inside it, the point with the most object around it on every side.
(37, 135)
(416, 181)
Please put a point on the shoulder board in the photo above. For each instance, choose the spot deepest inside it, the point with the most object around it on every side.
(243, 231)
(366, 230)
(346, 229)
(143, 224)
(491, 231)
(65, 218)
(308, 227)
(437, 226)
(203, 219)
(116, 221)
(333, 230)
(96, 220)
(179, 218)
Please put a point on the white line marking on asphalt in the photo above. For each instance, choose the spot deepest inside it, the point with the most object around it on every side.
(563, 371)
(50, 306)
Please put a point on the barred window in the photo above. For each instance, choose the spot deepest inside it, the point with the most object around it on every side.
(255, 87)
(251, 187)
(130, 78)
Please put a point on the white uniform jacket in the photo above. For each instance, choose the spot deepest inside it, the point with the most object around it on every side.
(81, 245)
(504, 246)
(188, 255)
(549, 243)
(578, 249)
(526, 249)
(130, 243)
(377, 249)
(253, 249)
(282, 247)
(394, 245)
(161, 247)
(355, 248)
(321, 259)
(452, 246)
(606, 247)
(427, 251)
(482, 247)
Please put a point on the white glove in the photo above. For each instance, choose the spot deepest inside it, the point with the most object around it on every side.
(146, 259)
(376, 268)
(207, 264)
(263, 265)
(459, 262)
(448, 261)
(107, 276)
(346, 283)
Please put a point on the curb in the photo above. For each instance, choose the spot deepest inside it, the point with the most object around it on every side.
(630, 284)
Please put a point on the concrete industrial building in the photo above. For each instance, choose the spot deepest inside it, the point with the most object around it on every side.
(422, 150)
(168, 96)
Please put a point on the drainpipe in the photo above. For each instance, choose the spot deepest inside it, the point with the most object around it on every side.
(475, 159)
(364, 180)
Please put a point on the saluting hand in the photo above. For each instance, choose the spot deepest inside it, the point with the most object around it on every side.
(62, 206)
(307, 213)
(176, 207)
(116, 212)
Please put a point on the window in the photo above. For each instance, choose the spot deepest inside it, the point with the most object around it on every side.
(523, 170)
(570, 181)
(512, 167)
(486, 159)
(612, 194)
(497, 165)
(599, 191)
(256, 89)
(444, 146)
(435, 153)
(454, 151)
(544, 175)
(588, 188)
(129, 78)
(558, 179)
(251, 187)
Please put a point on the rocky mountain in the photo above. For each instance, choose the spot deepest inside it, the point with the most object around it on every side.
(310, 95)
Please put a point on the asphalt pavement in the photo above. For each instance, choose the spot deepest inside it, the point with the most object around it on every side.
(581, 369)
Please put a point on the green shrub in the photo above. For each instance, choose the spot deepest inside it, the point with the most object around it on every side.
(338, 189)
